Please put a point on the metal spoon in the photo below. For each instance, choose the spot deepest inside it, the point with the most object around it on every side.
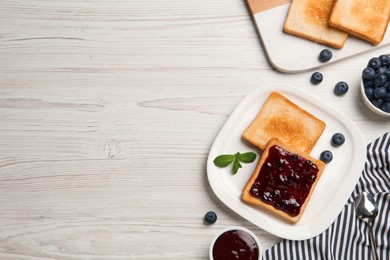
(367, 210)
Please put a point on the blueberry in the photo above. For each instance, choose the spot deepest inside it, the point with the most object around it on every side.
(387, 86)
(380, 79)
(316, 78)
(368, 83)
(369, 93)
(210, 217)
(381, 70)
(378, 102)
(368, 73)
(337, 139)
(386, 107)
(385, 60)
(387, 97)
(380, 92)
(326, 156)
(388, 73)
(325, 55)
(341, 88)
(375, 63)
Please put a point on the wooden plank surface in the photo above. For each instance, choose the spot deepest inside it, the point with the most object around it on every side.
(107, 112)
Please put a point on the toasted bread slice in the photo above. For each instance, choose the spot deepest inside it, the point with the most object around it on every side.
(283, 181)
(366, 19)
(281, 118)
(309, 19)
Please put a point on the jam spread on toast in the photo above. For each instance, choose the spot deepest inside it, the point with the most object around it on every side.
(284, 180)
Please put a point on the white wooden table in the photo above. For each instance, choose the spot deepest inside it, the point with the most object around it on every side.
(107, 112)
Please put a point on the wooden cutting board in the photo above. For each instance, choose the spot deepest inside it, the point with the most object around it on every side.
(292, 54)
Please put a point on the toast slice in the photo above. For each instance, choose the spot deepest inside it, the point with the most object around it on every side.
(366, 19)
(309, 19)
(283, 181)
(282, 119)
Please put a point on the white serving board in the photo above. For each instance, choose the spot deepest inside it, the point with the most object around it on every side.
(292, 54)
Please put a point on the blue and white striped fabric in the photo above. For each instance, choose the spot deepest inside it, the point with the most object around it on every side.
(348, 236)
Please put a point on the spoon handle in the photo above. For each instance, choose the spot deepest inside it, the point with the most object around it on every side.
(373, 245)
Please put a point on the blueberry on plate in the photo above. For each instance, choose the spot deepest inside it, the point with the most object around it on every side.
(386, 107)
(325, 55)
(368, 73)
(337, 139)
(210, 217)
(326, 156)
(316, 78)
(341, 88)
(380, 92)
(375, 63)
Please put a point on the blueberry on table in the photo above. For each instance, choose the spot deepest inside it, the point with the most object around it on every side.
(316, 78)
(210, 217)
(368, 73)
(338, 139)
(341, 88)
(326, 156)
(325, 55)
(380, 92)
(386, 107)
(375, 63)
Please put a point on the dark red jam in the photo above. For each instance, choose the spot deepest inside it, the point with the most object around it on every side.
(235, 244)
(285, 180)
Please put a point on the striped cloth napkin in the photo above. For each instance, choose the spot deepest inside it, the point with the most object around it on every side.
(348, 236)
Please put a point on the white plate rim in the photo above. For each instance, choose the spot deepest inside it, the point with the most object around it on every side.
(251, 213)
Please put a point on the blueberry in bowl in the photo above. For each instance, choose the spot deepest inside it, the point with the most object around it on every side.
(375, 85)
(368, 73)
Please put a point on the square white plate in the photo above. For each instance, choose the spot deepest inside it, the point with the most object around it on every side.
(333, 189)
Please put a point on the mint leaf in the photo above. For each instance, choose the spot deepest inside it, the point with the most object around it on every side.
(224, 160)
(236, 166)
(246, 157)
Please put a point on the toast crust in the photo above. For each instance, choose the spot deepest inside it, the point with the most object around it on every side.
(282, 119)
(365, 19)
(309, 19)
(247, 197)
